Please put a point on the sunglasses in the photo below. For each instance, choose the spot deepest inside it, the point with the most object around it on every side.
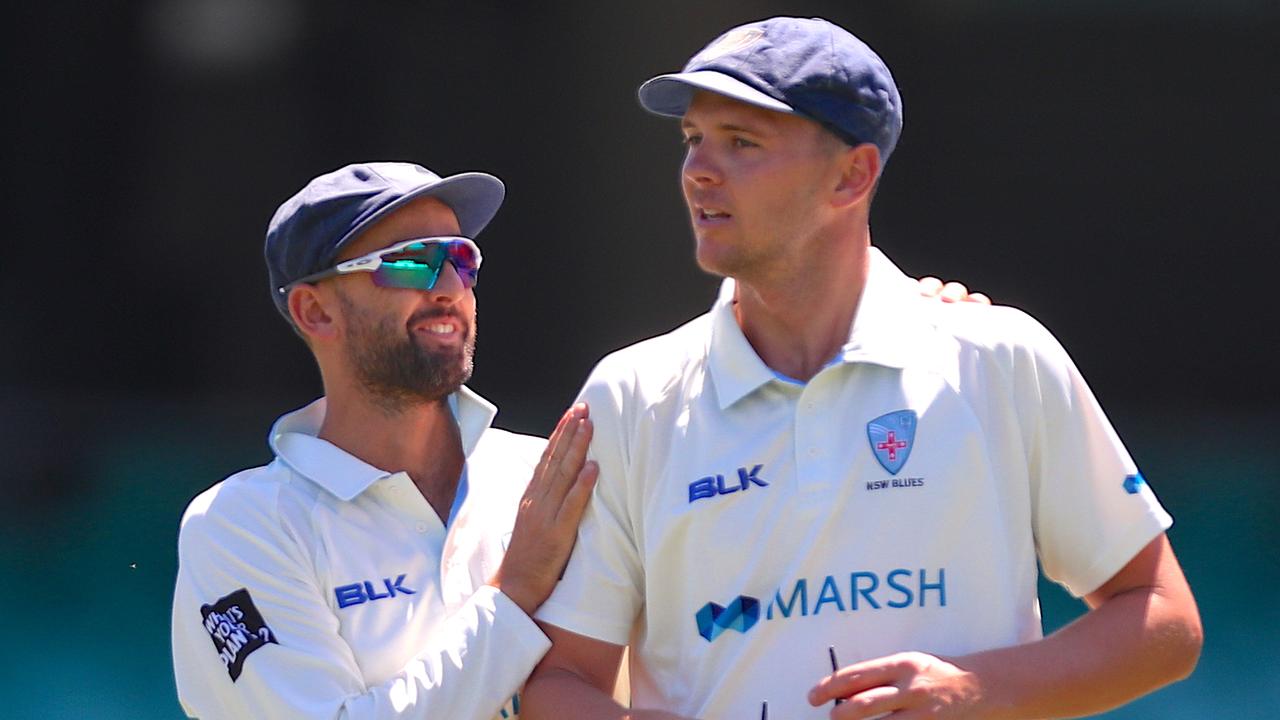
(413, 264)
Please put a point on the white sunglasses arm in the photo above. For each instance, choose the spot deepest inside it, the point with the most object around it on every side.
(367, 263)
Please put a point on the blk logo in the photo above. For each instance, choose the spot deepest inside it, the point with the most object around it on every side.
(359, 593)
(741, 615)
(715, 485)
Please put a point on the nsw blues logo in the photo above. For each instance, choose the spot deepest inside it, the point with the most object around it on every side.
(892, 436)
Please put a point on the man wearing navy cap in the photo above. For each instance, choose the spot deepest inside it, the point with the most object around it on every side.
(361, 574)
(387, 562)
(826, 465)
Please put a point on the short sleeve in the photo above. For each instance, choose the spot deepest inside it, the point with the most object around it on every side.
(1092, 510)
(602, 590)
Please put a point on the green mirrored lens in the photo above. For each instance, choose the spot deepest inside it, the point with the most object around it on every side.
(407, 274)
(418, 265)
(419, 252)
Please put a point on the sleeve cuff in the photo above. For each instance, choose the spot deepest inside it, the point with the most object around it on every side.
(575, 621)
(515, 624)
(1117, 554)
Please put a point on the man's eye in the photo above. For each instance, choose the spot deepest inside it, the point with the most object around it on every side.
(691, 139)
(743, 143)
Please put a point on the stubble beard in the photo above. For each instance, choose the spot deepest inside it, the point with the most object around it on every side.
(743, 255)
(729, 257)
(394, 370)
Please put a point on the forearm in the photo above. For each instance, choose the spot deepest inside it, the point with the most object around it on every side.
(576, 679)
(468, 668)
(1132, 644)
(555, 693)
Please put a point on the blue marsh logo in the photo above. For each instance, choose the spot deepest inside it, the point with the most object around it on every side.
(740, 615)
(897, 589)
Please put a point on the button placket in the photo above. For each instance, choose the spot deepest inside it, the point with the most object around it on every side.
(812, 435)
(455, 576)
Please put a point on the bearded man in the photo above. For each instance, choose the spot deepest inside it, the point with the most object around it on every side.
(388, 561)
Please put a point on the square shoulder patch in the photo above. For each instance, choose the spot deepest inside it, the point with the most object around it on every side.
(236, 628)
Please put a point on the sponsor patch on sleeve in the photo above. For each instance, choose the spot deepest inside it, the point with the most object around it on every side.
(237, 629)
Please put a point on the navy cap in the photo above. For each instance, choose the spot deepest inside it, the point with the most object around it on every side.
(806, 67)
(310, 228)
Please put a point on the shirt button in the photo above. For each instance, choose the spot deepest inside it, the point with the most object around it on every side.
(813, 452)
(421, 527)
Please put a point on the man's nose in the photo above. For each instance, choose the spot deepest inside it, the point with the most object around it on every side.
(700, 167)
(449, 287)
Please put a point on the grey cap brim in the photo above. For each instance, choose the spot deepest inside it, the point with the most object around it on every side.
(670, 94)
(474, 198)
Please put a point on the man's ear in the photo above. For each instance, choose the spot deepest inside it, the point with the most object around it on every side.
(859, 170)
(312, 312)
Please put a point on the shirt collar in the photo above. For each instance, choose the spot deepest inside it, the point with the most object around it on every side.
(293, 440)
(892, 326)
(888, 329)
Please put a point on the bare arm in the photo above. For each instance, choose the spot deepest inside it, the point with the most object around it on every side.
(1142, 632)
(575, 679)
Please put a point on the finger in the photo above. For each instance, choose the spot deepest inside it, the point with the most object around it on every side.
(571, 510)
(557, 447)
(954, 292)
(930, 286)
(579, 495)
(578, 444)
(564, 420)
(536, 486)
(853, 679)
(979, 298)
(571, 462)
(876, 702)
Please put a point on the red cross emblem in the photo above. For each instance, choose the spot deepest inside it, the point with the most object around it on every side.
(893, 445)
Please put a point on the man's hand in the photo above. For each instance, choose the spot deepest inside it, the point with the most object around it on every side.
(1142, 632)
(547, 522)
(932, 287)
(909, 685)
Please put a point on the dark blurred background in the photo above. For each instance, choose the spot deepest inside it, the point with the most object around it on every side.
(1111, 167)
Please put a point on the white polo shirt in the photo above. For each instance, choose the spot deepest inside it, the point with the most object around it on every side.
(319, 586)
(897, 501)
